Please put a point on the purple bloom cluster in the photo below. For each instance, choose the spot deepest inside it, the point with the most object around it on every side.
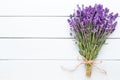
(94, 19)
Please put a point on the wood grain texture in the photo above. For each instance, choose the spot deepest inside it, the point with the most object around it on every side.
(56, 27)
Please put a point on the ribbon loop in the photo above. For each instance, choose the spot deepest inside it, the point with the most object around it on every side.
(85, 61)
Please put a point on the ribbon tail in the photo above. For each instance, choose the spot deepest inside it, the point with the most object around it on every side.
(101, 70)
(71, 70)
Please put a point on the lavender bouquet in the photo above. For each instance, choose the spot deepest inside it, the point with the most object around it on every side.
(91, 26)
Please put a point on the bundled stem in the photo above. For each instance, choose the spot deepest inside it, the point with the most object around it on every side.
(88, 70)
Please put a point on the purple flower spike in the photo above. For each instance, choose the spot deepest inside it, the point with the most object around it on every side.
(95, 18)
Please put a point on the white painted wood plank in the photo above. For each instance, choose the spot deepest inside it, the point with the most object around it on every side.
(49, 7)
(39, 27)
(51, 49)
(51, 70)
(34, 27)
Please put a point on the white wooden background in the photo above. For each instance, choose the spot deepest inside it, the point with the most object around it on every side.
(35, 41)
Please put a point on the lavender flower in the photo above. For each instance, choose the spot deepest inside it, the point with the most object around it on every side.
(91, 26)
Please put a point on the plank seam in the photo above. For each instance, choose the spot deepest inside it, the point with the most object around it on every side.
(44, 38)
(58, 59)
(35, 16)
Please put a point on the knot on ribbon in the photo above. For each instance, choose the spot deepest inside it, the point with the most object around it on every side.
(90, 62)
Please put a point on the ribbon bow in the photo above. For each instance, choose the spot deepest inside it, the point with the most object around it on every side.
(85, 61)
